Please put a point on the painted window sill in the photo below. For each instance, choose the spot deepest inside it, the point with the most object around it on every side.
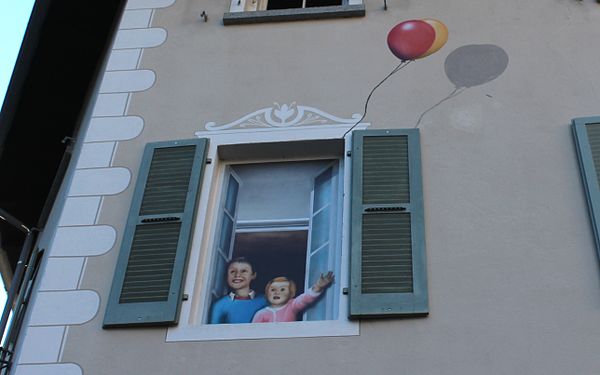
(299, 14)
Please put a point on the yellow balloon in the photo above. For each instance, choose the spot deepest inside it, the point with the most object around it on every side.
(441, 36)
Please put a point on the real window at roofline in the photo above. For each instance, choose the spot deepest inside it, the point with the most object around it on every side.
(233, 148)
(255, 11)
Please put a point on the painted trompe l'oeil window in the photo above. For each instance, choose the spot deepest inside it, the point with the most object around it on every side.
(282, 221)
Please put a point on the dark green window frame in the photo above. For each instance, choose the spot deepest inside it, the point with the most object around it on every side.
(148, 281)
(586, 131)
(378, 288)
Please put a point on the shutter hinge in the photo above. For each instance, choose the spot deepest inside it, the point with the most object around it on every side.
(185, 297)
(345, 291)
(208, 160)
(349, 154)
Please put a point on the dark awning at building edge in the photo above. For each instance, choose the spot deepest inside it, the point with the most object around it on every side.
(59, 60)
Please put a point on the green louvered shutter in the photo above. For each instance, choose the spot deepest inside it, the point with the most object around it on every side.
(387, 260)
(148, 281)
(587, 141)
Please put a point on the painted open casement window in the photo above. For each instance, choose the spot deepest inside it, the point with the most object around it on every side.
(587, 140)
(298, 208)
(283, 218)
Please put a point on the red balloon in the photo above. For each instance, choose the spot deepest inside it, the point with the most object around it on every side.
(410, 39)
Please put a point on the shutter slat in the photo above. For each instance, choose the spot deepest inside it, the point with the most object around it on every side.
(168, 180)
(593, 133)
(137, 267)
(385, 170)
(396, 235)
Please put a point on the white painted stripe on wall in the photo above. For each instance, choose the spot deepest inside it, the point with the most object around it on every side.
(127, 81)
(114, 128)
(135, 19)
(143, 4)
(64, 307)
(41, 344)
(79, 211)
(124, 59)
(83, 241)
(61, 274)
(110, 105)
(139, 38)
(96, 155)
(99, 181)
(59, 303)
(49, 369)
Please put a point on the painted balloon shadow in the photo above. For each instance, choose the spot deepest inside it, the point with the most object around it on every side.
(471, 65)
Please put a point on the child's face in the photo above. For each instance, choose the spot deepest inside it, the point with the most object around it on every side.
(278, 293)
(240, 275)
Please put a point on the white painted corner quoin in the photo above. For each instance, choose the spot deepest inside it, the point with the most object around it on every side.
(60, 303)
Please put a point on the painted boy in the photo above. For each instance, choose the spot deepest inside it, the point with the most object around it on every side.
(283, 306)
(241, 303)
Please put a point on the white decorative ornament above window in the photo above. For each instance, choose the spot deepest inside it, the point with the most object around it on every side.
(285, 116)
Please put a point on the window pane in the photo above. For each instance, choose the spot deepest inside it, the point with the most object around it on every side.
(284, 4)
(322, 189)
(318, 265)
(225, 239)
(274, 254)
(232, 191)
(322, 3)
(219, 286)
(320, 229)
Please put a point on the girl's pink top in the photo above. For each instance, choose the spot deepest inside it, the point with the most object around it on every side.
(288, 312)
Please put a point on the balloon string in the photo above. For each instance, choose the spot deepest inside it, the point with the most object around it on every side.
(455, 92)
(402, 64)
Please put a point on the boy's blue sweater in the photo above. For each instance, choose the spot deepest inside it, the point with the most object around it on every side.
(227, 310)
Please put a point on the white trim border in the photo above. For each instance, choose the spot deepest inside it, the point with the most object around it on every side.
(190, 327)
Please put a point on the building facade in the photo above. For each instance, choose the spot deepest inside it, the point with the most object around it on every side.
(238, 129)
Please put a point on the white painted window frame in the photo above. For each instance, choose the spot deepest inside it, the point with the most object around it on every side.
(190, 327)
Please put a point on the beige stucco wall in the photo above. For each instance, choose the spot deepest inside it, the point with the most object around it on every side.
(514, 279)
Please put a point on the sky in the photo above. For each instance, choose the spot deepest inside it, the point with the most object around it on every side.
(14, 15)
